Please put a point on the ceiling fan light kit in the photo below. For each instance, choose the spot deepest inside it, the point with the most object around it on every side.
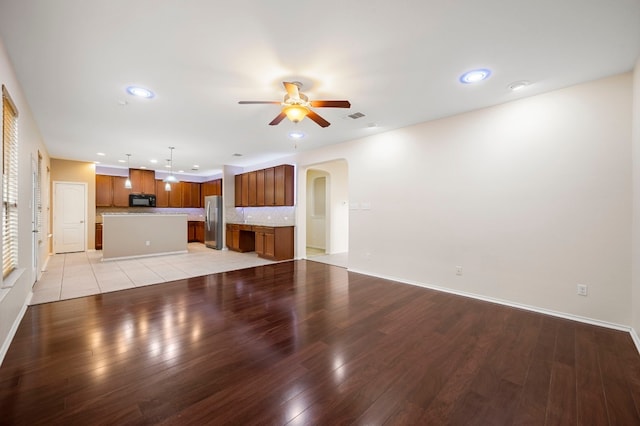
(296, 106)
(295, 113)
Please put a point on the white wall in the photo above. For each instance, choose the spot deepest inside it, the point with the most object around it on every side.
(13, 300)
(531, 198)
(635, 301)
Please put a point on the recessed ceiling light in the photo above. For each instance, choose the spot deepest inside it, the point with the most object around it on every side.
(180, 171)
(140, 92)
(475, 76)
(101, 154)
(296, 135)
(154, 161)
(122, 161)
(519, 85)
(96, 162)
(168, 166)
(195, 166)
(143, 167)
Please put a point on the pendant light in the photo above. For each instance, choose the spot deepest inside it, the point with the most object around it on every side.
(171, 178)
(167, 185)
(127, 183)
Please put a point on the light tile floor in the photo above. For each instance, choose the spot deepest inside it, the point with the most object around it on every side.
(335, 259)
(73, 275)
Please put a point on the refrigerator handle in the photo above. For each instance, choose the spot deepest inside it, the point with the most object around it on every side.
(206, 218)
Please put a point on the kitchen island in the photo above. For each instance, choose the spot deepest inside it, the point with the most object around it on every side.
(127, 235)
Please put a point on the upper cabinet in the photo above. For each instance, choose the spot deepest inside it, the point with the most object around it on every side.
(143, 181)
(120, 193)
(162, 196)
(267, 187)
(212, 187)
(110, 191)
(190, 194)
(166, 198)
(104, 191)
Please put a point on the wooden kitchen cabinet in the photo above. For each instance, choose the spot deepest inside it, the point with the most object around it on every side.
(260, 187)
(143, 181)
(238, 190)
(269, 242)
(195, 231)
(245, 189)
(120, 193)
(98, 236)
(110, 191)
(213, 187)
(273, 186)
(253, 190)
(275, 243)
(190, 194)
(269, 186)
(200, 232)
(240, 237)
(162, 196)
(166, 198)
(283, 186)
(175, 195)
(104, 191)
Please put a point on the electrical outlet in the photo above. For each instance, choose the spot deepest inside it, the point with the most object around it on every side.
(582, 289)
(458, 270)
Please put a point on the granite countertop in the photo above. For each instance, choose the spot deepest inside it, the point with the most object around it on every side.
(270, 225)
(190, 217)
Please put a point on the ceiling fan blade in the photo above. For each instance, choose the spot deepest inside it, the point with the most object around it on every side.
(292, 90)
(330, 104)
(321, 121)
(258, 102)
(278, 119)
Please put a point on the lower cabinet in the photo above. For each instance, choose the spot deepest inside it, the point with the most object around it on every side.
(98, 236)
(240, 237)
(195, 231)
(269, 242)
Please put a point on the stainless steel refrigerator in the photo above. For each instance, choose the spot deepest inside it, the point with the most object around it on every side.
(213, 221)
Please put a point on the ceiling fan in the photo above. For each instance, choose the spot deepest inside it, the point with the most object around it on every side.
(296, 106)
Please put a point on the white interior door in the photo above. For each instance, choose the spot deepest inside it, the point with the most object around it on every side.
(34, 220)
(69, 217)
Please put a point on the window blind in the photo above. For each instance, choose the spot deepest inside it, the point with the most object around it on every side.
(9, 185)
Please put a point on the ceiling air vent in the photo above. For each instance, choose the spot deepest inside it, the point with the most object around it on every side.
(356, 115)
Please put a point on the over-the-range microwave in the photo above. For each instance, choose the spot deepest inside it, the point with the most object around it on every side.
(142, 200)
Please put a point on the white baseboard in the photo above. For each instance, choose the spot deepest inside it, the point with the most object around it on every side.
(14, 327)
(138, 256)
(564, 315)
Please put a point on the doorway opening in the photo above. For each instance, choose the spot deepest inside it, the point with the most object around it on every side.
(327, 213)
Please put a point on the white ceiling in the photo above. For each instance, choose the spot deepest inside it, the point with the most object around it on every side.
(397, 62)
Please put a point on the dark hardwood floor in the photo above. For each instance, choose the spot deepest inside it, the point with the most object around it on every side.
(307, 343)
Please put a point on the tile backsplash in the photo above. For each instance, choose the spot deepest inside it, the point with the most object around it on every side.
(261, 215)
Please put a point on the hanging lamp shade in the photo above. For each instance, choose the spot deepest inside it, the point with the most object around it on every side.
(127, 183)
(171, 178)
